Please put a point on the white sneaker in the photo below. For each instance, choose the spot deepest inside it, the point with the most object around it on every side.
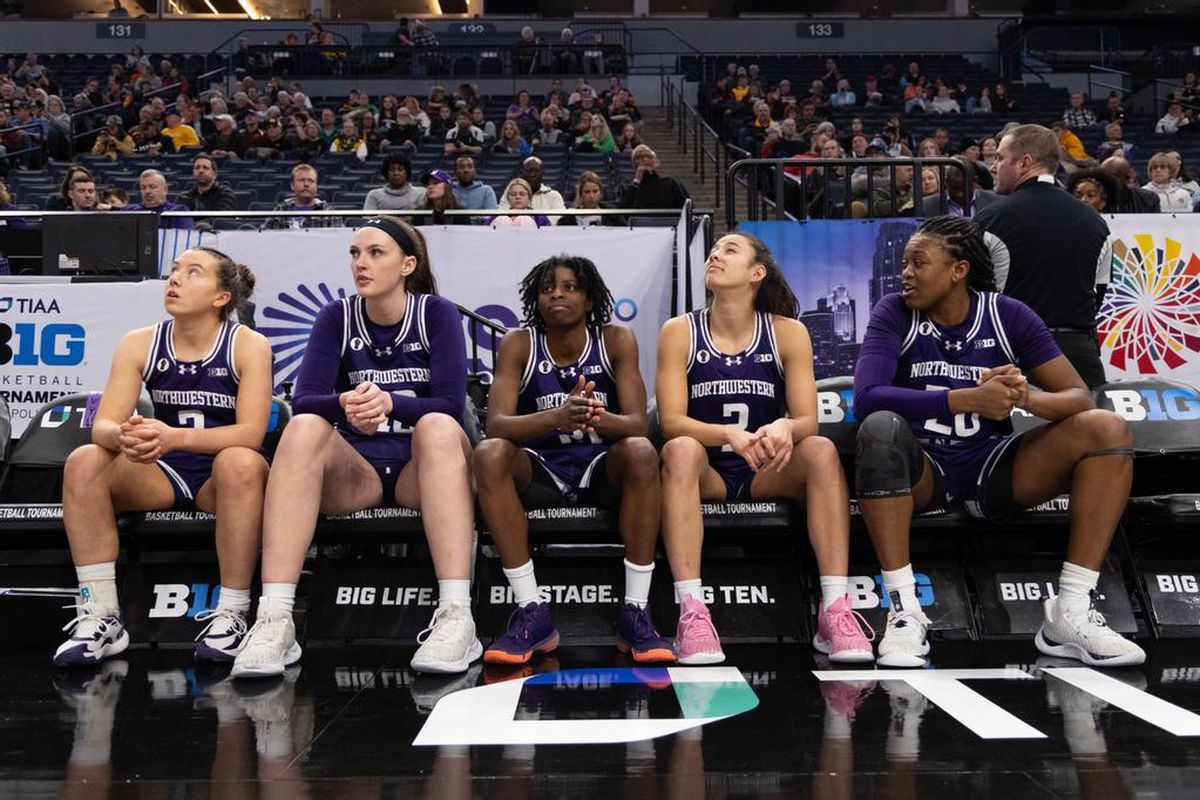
(448, 645)
(222, 637)
(269, 705)
(904, 642)
(1085, 636)
(96, 634)
(268, 649)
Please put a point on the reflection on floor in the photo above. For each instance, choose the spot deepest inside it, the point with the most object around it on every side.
(342, 721)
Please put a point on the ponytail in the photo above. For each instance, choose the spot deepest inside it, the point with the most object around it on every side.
(239, 281)
(421, 279)
(964, 241)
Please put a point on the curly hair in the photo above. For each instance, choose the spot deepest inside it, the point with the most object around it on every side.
(964, 241)
(586, 276)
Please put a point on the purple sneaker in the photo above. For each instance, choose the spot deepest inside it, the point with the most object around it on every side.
(637, 636)
(530, 630)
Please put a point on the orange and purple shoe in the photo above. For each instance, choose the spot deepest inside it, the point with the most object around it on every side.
(530, 630)
(840, 633)
(696, 640)
(637, 636)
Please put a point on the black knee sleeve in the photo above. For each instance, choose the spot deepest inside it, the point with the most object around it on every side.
(888, 461)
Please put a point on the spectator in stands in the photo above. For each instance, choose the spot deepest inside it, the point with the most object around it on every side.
(252, 139)
(1175, 120)
(369, 133)
(623, 108)
(1133, 199)
(1190, 90)
(1072, 156)
(399, 193)
(206, 193)
(629, 138)
(649, 189)
(831, 76)
(117, 11)
(304, 198)
(981, 104)
(1077, 115)
(589, 194)
(858, 142)
(816, 93)
(439, 198)
(931, 183)
(941, 137)
(112, 198)
(58, 139)
(280, 143)
(422, 36)
(526, 47)
(1062, 278)
(1002, 103)
(82, 194)
(954, 203)
(1172, 198)
(349, 140)
(517, 197)
(944, 103)
(308, 141)
(180, 135)
(1096, 188)
(1113, 144)
(599, 138)
(153, 187)
(929, 149)
(896, 134)
(549, 132)
(912, 76)
(581, 128)
(418, 113)
(523, 112)
(329, 127)
(898, 203)
(486, 126)
(470, 193)
(1113, 110)
(61, 200)
(567, 57)
(113, 141)
(464, 138)
(844, 97)
(543, 198)
(1185, 180)
(987, 150)
(511, 142)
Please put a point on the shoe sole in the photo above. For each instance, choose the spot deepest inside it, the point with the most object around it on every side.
(547, 645)
(845, 656)
(1078, 653)
(115, 649)
(290, 657)
(702, 659)
(451, 667)
(904, 660)
(657, 655)
(211, 655)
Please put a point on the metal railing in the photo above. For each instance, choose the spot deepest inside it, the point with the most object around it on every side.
(709, 151)
(1117, 81)
(777, 186)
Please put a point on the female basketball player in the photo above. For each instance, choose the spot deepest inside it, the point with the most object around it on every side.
(567, 423)
(942, 365)
(209, 379)
(738, 404)
(379, 402)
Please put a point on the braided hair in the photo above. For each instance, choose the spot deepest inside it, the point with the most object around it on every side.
(964, 242)
(586, 276)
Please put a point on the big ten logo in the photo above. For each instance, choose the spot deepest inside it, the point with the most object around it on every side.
(834, 407)
(559, 594)
(1155, 405)
(867, 592)
(181, 600)
(62, 414)
(736, 595)
(1177, 584)
(1029, 591)
(27, 344)
(387, 596)
(355, 678)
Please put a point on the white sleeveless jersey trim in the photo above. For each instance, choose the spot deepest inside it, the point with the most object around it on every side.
(604, 361)
(169, 340)
(712, 347)
(530, 360)
(360, 320)
(769, 324)
(998, 325)
(346, 312)
(692, 338)
(152, 352)
(234, 329)
(422, 332)
(914, 323)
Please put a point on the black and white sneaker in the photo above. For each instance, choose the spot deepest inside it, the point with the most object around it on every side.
(1085, 636)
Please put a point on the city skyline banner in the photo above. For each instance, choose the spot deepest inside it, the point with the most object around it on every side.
(1148, 325)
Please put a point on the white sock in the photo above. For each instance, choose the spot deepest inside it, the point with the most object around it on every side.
(1075, 584)
(277, 600)
(837, 725)
(637, 582)
(688, 588)
(454, 591)
(833, 588)
(98, 585)
(524, 583)
(901, 588)
(234, 599)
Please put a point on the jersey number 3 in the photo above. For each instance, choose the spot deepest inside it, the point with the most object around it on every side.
(740, 412)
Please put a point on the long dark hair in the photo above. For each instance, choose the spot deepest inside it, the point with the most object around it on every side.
(774, 296)
(238, 280)
(586, 276)
(964, 241)
(421, 279)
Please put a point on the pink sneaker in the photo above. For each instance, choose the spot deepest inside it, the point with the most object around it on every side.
(846, 697)
(696, 639)
(840, 633)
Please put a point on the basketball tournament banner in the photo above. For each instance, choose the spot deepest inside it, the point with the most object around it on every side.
(58, 339)
(1149, 325)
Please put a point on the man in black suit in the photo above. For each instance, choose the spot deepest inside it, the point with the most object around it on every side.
(1050, 251)
(954, 203)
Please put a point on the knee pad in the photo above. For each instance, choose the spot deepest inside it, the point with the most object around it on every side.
(888, 460)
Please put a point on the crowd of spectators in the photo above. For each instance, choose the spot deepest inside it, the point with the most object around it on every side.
(775, 121)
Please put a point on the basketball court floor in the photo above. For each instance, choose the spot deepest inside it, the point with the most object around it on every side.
(986, 720)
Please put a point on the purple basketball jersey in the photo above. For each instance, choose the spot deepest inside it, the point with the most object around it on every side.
(545, 385)
(745, 389)
(196, 394)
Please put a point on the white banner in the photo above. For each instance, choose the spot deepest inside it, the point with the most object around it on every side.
(58, 339)
(479, 268)
(1150, 321)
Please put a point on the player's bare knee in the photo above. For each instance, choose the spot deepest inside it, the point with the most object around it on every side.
(493, 459)
(239, 469)
(819, 453)
(639, 460)
(437, 434)
(682, 457)
(1106, 430)
(84, 464)
(307, 433)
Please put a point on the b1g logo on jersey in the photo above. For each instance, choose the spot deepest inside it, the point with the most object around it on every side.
(1154, 404)
(53, 345)
(181, 600)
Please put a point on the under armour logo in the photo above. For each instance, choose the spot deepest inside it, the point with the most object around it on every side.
(733, 361)
(187, 369)
(569, 372)
(956, 345)
(382, 352)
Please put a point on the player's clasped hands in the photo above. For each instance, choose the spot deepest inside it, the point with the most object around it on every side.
(1000, 390)
(143, 441)
(769, 447)
(581, 410)
(367, 407)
